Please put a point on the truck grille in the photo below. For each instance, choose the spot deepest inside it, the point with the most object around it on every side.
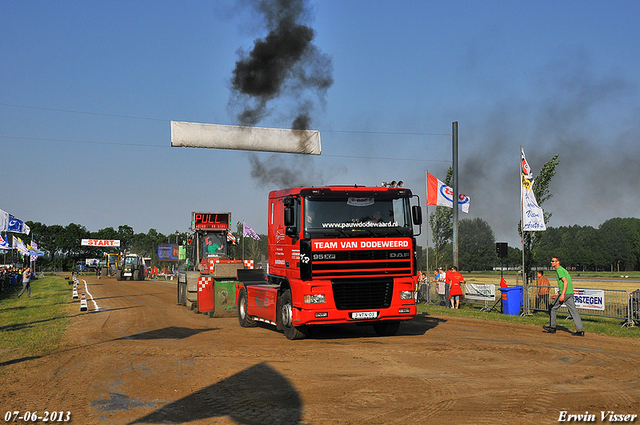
(362, 294)
(339, 264)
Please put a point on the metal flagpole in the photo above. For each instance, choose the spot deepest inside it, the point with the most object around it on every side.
(427, 185)
(455, 192)
(525, 277)
(522, 214)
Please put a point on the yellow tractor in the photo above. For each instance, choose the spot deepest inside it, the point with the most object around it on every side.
(109, 264)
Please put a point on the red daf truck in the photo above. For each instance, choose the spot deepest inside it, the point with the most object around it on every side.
(339, 254)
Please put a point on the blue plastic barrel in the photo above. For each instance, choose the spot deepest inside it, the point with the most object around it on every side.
(511, 300)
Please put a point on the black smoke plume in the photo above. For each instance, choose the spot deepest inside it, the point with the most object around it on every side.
(283, 66)
(285, 63)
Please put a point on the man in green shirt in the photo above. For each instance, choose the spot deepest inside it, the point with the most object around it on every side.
(565, 295)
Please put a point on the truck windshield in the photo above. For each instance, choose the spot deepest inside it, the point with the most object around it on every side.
(214, 244)
(377, 215)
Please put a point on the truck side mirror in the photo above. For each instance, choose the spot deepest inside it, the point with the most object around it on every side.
(291, 231)
(417, 215)
(289, 219)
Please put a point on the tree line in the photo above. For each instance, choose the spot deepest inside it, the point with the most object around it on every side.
(63, 250)
(614, 246)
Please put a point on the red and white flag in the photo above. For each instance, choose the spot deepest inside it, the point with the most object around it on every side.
(442, 195)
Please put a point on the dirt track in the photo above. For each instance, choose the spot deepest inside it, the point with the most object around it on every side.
(143, 359)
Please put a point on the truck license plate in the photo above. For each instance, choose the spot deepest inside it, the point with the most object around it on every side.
(364, 315)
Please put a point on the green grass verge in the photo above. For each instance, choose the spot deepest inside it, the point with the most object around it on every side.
(592, 324)
(31, 327)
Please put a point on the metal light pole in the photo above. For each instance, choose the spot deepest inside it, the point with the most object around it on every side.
(455, 192)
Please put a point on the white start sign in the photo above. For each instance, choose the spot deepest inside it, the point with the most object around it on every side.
(100, 242)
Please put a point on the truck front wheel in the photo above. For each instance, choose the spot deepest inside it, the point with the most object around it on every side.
(243, 307)
(286, 318)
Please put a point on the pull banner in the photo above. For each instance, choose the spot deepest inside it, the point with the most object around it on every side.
(215, 136)
(100, 242)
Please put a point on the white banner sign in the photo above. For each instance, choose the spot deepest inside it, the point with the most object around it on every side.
(476, 291)
(215, 136)
(532, 214)
(588, 299)
(100, 242)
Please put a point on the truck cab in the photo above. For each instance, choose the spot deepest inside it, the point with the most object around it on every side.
(339, 254)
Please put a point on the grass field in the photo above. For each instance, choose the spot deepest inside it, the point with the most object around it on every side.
(586, 280)
(33, 327)
(592, 324)
(592, 280)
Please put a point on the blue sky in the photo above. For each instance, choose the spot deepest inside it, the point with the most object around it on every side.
(89, 90)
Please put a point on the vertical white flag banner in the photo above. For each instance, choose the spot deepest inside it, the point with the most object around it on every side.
(532, 214)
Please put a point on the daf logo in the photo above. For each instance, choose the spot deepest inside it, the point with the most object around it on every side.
(399, 254)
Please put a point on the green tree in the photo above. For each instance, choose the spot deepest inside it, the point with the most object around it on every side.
(514, 258)
(125, 234)
(621, 237)
(477, 245)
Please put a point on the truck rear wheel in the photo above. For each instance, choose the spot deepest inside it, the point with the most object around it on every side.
(386, 328)
(286, 318)
(243, 307)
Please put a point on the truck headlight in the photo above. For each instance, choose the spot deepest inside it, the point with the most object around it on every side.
(314, 299)
(406, 295)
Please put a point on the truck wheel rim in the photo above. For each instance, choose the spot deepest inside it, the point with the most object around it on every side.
(243, 311)
(286, 315)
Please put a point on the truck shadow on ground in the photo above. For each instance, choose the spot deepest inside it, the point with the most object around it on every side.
(171, 332)
(417, 326)
(266, 397)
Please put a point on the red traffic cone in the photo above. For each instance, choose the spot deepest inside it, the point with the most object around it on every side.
(83, 303)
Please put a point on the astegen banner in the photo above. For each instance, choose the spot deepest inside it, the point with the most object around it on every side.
(588, 299)
(100, 242)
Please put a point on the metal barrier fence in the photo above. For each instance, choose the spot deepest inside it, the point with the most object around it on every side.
(609, 303)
